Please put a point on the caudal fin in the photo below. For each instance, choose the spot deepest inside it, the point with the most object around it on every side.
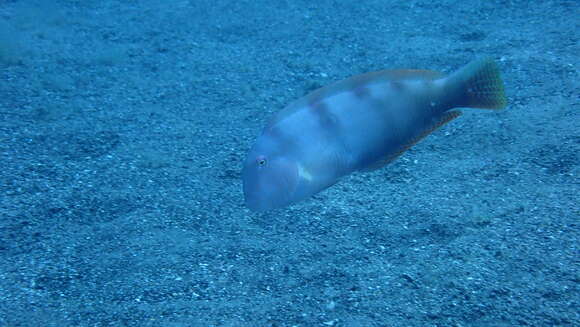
(479, 85)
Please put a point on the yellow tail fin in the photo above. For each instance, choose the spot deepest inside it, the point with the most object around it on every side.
(480, 85)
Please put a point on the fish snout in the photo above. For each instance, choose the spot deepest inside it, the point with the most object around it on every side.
(270, 186)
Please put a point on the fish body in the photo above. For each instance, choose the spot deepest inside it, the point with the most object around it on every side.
(361, 123)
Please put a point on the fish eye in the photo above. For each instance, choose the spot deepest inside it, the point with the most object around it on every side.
(261, 161)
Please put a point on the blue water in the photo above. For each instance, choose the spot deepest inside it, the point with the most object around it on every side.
(124, 124)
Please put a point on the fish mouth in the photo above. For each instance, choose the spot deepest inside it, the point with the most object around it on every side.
(261, 199)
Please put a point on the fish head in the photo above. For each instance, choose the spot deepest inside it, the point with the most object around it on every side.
(270, 177)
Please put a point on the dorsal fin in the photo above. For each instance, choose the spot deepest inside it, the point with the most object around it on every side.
(440, 121)
(407, 74)
(353, 83)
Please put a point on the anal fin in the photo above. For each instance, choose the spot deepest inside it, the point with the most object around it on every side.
(438, 122)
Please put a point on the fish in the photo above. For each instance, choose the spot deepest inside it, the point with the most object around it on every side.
(361, 123)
